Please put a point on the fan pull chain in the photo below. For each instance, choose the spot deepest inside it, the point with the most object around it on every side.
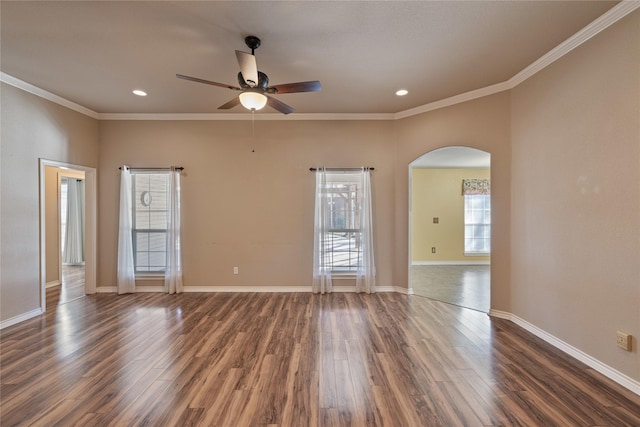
(253, 118)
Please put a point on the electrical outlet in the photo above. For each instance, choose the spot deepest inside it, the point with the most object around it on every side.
(623, 340)
(433, 250)
(235, 270)
(436, 220)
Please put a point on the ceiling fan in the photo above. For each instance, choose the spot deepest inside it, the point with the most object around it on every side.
(254, 85)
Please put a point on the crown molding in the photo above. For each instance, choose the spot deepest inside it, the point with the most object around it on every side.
(28, 87)
(457, 99)
(601, 23)
(245, 116)
(613, 15)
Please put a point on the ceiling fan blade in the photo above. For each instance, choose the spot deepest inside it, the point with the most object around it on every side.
(207, 82)
(234, 102)
(248, 67)
(313, 86)
(279, 105)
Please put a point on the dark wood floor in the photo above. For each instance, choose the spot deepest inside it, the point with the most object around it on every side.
(292, 360)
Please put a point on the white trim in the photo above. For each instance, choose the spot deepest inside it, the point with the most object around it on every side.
(52, 283)
(246, 116)
(21, 318)
(606, 370)
(405, 291)
(257, 289)
(601, 23)
(613, 15)
(28, 87)
(145, 289)
(139, 289)
(262, 289)
(499, 314)
(91, 226)
(457, 99)
(150, 277)
(451, 263)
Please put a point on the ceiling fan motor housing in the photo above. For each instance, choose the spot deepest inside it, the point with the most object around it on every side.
(263, 81)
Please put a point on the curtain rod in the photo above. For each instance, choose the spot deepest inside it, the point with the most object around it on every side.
(342, 169)
(178, 168)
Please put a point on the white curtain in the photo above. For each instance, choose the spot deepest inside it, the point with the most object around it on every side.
(74, 232)
(366, 274)
(321, 269)
(173, 272)
(126, 278)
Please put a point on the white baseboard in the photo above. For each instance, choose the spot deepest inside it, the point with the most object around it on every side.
(450, 263)
(500, 314)
(405, 291)
(143, 289)
(139, 289)
(275, 289)
(20, 318)
(247, 289)
(52, 283)
(606, 370)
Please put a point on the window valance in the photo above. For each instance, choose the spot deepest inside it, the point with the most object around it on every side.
(472, 187)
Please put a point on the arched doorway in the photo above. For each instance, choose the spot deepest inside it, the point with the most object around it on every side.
(450, 226)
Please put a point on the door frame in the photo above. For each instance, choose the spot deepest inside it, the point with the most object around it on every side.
(91, 223)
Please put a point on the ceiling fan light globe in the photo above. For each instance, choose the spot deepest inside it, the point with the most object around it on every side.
(253, 100)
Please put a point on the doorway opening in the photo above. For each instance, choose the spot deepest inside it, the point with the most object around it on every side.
(68, 231)
(71, 190)
(450, 226)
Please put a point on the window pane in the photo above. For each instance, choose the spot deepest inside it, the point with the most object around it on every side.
(157, 259)
(142, 260)
(142, 241)
(150, 216)
(158, 220)
(341, 246)
(157, 241)
(477, 219)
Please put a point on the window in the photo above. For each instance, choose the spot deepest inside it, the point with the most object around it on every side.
(477, 224)
(150, 192)
(343, 251)
(343, 229)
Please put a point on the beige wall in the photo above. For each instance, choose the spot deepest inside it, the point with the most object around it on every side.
(437, 193)
(52, 228)
(565, 151)
(576, 196)
(247, 202)
(32, 128)
(483, 124)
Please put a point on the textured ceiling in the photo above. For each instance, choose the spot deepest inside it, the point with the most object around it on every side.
(96, 53)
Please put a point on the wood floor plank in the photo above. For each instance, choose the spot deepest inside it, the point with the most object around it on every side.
(291, 359)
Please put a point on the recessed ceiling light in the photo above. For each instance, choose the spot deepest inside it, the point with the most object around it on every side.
(402, 92)
(140, 92)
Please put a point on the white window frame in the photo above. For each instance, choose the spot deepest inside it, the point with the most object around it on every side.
(348, 231)
(477, 221)
(138, 197)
